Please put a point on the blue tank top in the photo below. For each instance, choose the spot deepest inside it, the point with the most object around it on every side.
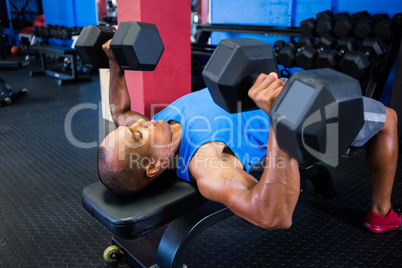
(203, 121)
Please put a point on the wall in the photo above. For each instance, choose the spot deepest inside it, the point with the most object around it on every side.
(286, 13)
(172, 77)
(70, 13)
(290, 12)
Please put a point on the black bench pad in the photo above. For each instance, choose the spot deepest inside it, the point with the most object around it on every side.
(131, 217)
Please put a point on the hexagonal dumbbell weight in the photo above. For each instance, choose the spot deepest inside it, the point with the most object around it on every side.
(312, 115)
(89, 45)
(344, 26)
(278, 45)
(287, 54)
(330, 58)
(135, 45)
(307, 96)
(322, 25)
(233, 68)
(307, 27)
(325, 23)
(305, 52)
(306, 57)
(356, 63)
(378, 25)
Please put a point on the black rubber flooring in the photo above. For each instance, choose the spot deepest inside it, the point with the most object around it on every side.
(42, 174)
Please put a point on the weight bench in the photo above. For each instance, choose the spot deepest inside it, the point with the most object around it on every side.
(168, 200)
(58, 51)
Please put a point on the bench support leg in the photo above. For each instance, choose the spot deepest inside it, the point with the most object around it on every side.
(182, 232)
(137, 252)
(175, 241)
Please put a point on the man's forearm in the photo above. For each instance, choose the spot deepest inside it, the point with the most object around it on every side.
(119, 99)
(279, 186)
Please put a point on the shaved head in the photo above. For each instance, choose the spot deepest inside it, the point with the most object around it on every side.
(130, 157)
(117, 175)
(115, 170)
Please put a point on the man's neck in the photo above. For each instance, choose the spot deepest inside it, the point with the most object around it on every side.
(176, 136)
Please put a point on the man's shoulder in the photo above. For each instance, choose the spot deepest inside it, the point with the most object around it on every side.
(212, 159)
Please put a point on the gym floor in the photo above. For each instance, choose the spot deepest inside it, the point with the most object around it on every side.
(42, 174)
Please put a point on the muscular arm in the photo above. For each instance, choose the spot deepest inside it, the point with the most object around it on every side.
(268, 203)
(119, 99)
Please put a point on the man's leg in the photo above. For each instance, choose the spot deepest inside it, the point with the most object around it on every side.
(380, 134)
(382, 158)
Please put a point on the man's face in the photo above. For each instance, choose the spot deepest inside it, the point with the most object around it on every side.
(146, 138)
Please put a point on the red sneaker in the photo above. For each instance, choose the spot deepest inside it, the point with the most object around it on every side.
(379, 224)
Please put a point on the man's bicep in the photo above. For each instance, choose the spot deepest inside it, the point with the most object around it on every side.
(224, 188)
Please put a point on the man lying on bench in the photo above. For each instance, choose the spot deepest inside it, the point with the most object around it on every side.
(215, 150)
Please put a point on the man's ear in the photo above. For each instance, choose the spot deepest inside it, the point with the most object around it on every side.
(153, 169)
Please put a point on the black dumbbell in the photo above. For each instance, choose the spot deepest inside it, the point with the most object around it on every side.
(397, 22)
(325, 42)
(363, 29)
(305, 52)
(326, 14)
(384, 28)
(356, 63)
(374, 48)
(58, 32)
(325, 23)
(40, 31)
(278, 45)
(53, 32)
(325, 26)
(307, 27)
(306, 57)
(330, 58)
(35, 31)
(291, 43)
(65, 33)
(300, 130)
(135, 45)
(362, 15)
(287, 55)
(364, 24)
(344, 26)
(378, 25)
(45, 33)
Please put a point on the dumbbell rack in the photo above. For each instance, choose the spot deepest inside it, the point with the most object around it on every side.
(200, 46)
(204, 31)
(372, 83)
